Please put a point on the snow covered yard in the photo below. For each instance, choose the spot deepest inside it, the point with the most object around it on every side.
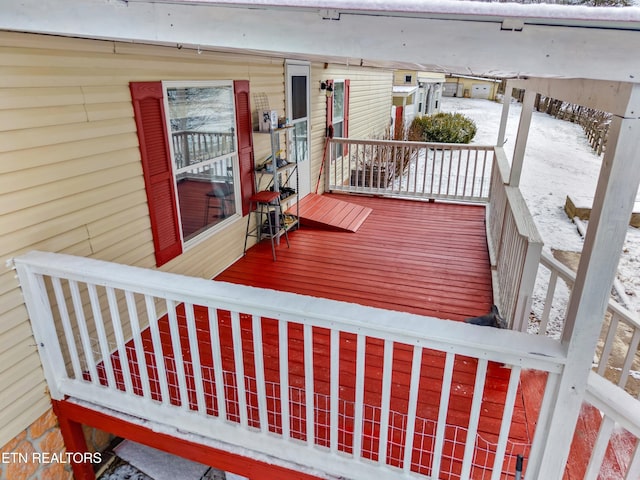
(558, 162)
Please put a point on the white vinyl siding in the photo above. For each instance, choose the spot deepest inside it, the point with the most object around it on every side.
(369, 106)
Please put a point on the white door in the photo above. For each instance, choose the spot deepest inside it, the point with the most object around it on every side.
(298, 74)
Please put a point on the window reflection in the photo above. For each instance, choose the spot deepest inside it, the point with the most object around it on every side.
(202, 120)
(206, 196)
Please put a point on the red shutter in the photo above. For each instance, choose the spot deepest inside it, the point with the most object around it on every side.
(148, 108)
(245, 142)
(345, 128)
(329, 131)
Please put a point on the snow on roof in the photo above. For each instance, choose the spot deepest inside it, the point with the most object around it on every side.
(448, 7)
(471, 77)
(404, 90)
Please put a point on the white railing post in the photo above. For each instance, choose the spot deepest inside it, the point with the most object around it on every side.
(44, 330)
(615, 193)
(527, 284)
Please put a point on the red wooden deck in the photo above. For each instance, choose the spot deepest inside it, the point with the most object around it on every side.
(417, 257)
(425, 258)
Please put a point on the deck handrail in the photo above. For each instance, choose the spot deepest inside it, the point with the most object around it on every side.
(514, 244)
(86, 314)
(619, 427)
(623, 325)
(423, 170)
(451, 172)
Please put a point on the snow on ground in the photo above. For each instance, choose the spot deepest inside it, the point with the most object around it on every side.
(558, 162)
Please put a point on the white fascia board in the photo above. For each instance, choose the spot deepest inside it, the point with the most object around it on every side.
(607, 96)
(475, 44)
(404, 91)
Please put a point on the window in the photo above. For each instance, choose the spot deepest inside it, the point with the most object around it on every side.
(338, 112)
(201, 119)
(338, 108)
(196, 148)
(408, 78)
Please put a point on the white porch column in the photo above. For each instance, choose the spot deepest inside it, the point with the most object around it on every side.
(614, 198)
(521, 139)
(506, 103)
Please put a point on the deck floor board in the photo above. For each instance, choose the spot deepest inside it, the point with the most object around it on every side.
(418, 257)
(429, 259)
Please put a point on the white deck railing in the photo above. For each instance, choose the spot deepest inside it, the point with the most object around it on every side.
(514, 246)
(453, 172)
(410, 169)
(616, 450)
(617, 357)
(200, 359)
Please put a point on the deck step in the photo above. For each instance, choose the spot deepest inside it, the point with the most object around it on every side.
(320, 211)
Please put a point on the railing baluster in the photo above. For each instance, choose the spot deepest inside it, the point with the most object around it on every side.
(633, 471)
(385, 401)
(309, 392)
(283, 351)
(334, 375)
(103, 343)
(238, 356)
(121, 346)
(442, 162)
(466, 174)
(608, 344)
(416, 367)
(548, 302)
(447, 377)
(475, 171)
(414, 153)
(157, 350)
(359, 397)
(137, 344)
(541, 434)
(424, 170)
(505, 425)
(258, 355)
(66, 327)
(629, 358)
(216, 355)
(599, 449)
(194, 350)
(84, 333)
(433, 169)
(482, 175)
(176, 344)
(449, 169)
(474, 418)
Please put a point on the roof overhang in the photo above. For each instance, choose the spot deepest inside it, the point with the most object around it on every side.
(404, 91)
(474, 38)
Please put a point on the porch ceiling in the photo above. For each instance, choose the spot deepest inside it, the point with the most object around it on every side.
(463, 36)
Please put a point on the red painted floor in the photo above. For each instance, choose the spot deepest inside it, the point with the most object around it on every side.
(425, 258)
(417, 257)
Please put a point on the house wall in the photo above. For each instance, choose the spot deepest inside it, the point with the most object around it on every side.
(399, 77)
(369, 107)
(465, 86)
(70, 172)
